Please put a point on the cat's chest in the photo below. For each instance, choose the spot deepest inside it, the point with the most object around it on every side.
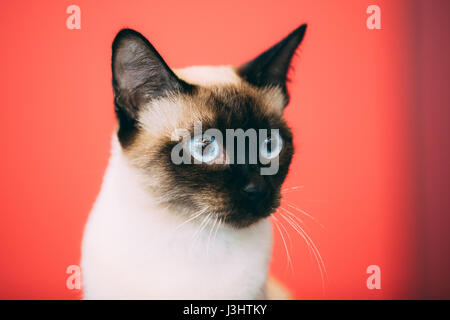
(157, 257)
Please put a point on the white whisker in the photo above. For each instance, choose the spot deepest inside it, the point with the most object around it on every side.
(200, 229)
(210, 234)
(309, 242)
(288, 256)
(297, 218)
(217, 229)
(312, 243)
(190, 219)
(300, 221)
(305, 213)
(287, 190)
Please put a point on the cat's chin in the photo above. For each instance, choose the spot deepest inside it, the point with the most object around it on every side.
(241, 220)
(244, 216)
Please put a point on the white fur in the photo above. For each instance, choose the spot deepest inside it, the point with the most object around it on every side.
(133, 250)
(208, 75)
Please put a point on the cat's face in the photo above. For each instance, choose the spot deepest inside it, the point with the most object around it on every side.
(159, 113)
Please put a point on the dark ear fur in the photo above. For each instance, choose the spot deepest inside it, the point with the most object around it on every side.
(139, 75)
(272, 66)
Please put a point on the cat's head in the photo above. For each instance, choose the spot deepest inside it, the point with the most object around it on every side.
(193, 169)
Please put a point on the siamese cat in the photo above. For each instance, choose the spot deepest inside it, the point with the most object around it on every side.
(166, 230)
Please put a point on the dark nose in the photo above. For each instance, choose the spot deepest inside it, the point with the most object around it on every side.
(255, 191)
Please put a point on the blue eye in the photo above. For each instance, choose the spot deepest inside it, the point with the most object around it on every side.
(271, 148)
(204, 149)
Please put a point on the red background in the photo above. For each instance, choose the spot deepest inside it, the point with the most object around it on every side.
(369, 111)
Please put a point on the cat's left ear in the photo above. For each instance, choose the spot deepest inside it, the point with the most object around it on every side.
(271, 67)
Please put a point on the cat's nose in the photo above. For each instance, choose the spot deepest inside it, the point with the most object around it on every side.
(255, 191)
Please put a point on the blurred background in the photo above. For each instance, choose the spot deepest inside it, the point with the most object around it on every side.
(369, 110)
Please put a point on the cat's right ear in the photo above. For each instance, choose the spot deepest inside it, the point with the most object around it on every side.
(139, 75)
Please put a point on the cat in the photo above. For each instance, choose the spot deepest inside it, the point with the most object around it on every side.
(161, 230)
